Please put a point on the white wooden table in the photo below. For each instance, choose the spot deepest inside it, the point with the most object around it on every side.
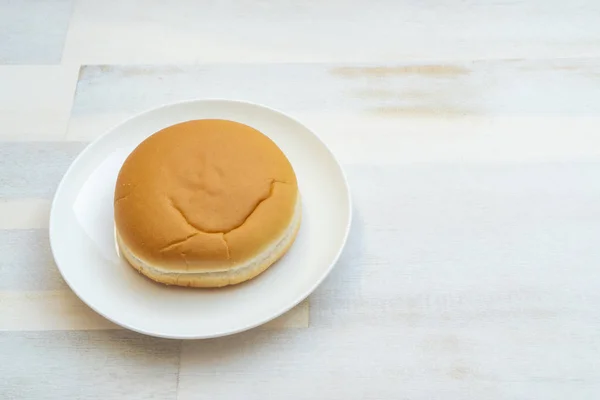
(470, 132)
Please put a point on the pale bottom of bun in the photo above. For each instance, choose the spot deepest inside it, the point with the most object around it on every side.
(238, 274)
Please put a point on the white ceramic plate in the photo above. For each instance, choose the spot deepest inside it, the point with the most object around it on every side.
(83, 241)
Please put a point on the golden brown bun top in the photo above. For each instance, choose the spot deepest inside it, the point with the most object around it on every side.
(204, 193)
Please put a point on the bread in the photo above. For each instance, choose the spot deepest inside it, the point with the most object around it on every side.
(206, 203)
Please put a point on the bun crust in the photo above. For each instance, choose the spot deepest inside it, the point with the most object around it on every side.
(200, 199)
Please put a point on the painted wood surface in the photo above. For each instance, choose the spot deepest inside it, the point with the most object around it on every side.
(239, 31)
(33, 31)
(470, 133)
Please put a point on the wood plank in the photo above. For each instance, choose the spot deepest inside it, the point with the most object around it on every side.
(485, 112)
(26, 262)
(34, 169)
(492, 361)
(489, 244)
(24, 213)
(33, 32)
(92, 365)
(242, 31)
(35, 101)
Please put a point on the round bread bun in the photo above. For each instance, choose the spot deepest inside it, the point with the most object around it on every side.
(206, 203)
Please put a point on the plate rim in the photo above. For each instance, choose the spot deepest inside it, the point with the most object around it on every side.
(305, 294)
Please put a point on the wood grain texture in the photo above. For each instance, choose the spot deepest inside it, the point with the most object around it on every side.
(34, 31)
(522, 87)
(26, 261)
(242, 31)
(467, 244)
(494, 111)
(519, 361)
(34, 169)
(24, 214)
(35, 101)
(88, 365)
